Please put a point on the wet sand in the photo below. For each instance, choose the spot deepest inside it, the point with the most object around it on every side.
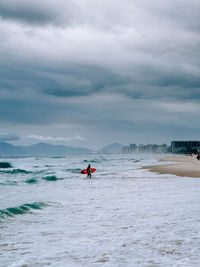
(187, 166)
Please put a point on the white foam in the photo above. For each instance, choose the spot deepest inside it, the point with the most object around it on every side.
(121, 217)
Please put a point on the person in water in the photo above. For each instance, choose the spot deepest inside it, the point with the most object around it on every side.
(89, 171)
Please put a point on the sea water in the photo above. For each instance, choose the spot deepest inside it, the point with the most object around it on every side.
(51, 215)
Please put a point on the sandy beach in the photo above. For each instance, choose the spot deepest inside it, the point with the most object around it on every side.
(180, 165)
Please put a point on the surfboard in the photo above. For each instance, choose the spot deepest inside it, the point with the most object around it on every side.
(91, 170)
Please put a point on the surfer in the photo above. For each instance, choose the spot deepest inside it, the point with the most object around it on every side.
(89, 171)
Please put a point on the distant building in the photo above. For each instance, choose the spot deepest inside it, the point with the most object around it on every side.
(149, 148)
(184, 146)
(133, 147)
(153, 148)
(129, 149)
(141, 148)
(126, 149)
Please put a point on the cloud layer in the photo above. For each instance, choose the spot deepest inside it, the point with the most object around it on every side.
(8, 137)
(125, 65)
(55, 139)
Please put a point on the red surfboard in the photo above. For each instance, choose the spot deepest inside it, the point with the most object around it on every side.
(91, 170)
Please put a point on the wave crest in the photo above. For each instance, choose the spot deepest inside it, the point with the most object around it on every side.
(31, 181)
(51, 178)
(16, 171)
(23, 209)
(5, 165)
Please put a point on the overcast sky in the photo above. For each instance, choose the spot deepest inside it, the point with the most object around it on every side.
(88, 73)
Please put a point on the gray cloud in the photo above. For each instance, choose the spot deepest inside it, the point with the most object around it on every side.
(143, 16)
(8, 137)
(100, 68)
(30, 12)
(55, 139)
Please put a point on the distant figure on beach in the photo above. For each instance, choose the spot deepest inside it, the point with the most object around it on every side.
(198, 156)
(89, 171)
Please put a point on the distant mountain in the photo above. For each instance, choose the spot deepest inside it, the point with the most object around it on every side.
(112, 148)
(8, 149)
(48, 149)
(40, 149)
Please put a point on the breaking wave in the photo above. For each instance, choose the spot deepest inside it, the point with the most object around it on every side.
(31, 181)
(5, 165)
(16, 171)
(51, 178)
(23, 209)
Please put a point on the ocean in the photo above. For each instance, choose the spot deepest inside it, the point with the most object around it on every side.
(51, 215)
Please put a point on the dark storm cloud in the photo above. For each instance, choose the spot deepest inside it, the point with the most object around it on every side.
(32, 12)
(73, 80)
(85, 80)
(33, 110)
(77, 80)
(129, 68)
(25, 13)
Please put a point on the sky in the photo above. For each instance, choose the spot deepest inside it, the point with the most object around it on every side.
(89, 73)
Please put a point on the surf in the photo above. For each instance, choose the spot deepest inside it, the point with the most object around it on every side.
(22, 209)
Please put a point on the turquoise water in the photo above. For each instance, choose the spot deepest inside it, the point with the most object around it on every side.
(51, 215)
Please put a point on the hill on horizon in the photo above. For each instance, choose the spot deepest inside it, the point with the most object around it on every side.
(112, 148)
(40, 149)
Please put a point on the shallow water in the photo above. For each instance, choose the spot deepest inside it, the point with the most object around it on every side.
(51, 215)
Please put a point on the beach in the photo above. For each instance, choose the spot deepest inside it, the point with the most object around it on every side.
(180, 165)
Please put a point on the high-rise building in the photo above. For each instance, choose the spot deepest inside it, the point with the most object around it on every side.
(184, 146)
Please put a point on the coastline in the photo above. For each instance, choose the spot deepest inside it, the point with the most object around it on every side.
(184, 166)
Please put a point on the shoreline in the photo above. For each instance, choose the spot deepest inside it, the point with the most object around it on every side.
(184, 166)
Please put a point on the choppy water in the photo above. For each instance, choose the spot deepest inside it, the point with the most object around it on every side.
(51, 215)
